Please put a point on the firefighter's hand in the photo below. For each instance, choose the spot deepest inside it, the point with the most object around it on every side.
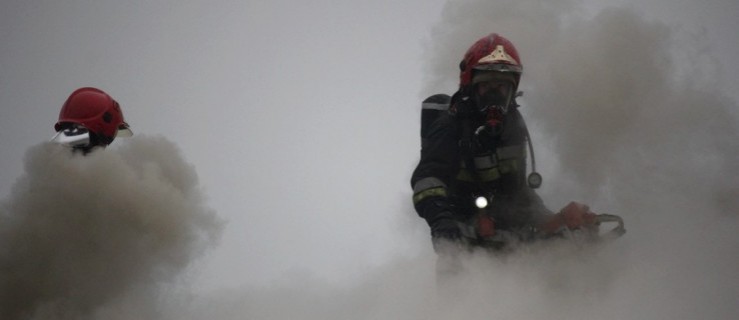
(573, 216)
(445, 226)
(446, 235)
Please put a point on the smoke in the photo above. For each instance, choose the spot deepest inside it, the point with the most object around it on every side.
(86, 235)
(623, 124)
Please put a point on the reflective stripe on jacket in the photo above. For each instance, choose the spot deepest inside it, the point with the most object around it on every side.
(442, 177)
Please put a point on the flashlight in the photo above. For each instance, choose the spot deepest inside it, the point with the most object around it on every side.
(481, 202)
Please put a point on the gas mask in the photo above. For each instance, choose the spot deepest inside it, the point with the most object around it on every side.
(494, 94)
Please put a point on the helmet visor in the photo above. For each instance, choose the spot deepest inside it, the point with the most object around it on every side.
(124, 131)
(499, 67)
(75, 136)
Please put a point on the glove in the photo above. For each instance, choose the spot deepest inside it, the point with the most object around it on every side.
(446, 235)
(573, 216)
(445, 226)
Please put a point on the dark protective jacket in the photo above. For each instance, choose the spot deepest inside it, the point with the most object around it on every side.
(461, 161)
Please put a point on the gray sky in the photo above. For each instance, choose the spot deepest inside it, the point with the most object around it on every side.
(301, 118)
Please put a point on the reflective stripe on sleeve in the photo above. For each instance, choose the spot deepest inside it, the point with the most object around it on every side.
(428, 187)
(428, 183)
(433, 192)
(435, 106)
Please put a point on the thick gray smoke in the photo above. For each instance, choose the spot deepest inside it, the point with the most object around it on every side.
(624, 119)
(82, 235)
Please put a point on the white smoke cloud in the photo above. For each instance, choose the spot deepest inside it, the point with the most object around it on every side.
(80, 234)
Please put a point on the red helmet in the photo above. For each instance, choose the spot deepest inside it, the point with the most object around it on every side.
(95, 110)
(491, 53)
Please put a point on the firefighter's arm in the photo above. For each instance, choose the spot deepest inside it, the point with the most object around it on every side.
(431, 177)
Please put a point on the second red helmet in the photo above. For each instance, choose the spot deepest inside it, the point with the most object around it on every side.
(95, 110)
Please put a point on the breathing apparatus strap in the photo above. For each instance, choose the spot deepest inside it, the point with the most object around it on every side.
(463, 109)
(467, 136)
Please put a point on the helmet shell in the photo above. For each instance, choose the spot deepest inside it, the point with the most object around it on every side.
(492, 53)
(95, 110)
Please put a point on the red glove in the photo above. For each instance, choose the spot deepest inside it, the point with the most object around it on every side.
(573, 216)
